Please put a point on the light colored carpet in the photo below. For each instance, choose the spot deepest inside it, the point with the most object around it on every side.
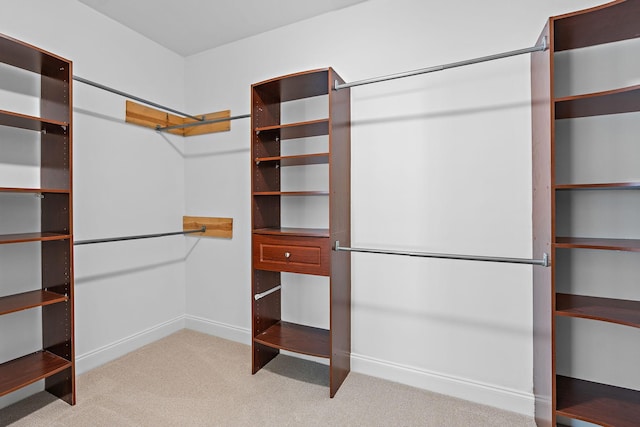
(193, 379)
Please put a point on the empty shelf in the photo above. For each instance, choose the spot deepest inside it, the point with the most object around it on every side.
(32, 237)
(624, 312)
(597, 403)
(297, 338)
(27, 300)
(26, 370)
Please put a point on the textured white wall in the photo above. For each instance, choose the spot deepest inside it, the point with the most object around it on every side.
(440, 163)
(127, 180)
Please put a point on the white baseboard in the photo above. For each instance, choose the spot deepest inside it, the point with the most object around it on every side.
(218, 329)
(87, 361)
(462, 388)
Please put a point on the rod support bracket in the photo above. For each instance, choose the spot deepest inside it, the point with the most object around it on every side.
(545, 260)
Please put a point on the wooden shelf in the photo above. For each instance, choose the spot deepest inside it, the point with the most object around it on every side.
(291, 193)
(23, 55)
(296, 86)
(600, 186)
(300, 160)
(632, 245)
(598, 25)
(27, 300)
(597, 403)
(302, 232)
(26, 370)
(624, 100)
(297, 338)
(299, 130)
(31, 237)
(23, 121)
(623, 312)
(33, 190)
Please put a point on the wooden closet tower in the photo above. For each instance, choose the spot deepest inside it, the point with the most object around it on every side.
(284, 137)
(586, 214)
(53, 295)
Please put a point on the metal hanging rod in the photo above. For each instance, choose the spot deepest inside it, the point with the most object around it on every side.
(543, 262)
(536, 48)
(265, 293)
(203, 122)
(128, 95)
(142, 236)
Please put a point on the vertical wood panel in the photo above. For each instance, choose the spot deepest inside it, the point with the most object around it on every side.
(339, 223)
(542, 132)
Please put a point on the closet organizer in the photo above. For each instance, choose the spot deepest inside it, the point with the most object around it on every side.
(276, 144)
(53, 295)
(586, 201)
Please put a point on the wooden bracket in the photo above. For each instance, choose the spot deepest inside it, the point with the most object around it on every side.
(150, 117)
(216, 227)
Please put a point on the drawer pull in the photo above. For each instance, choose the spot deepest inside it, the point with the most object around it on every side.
(287, 255)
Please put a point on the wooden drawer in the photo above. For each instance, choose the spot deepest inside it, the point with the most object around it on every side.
(307, 255)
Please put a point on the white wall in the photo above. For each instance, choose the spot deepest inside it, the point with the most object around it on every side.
(127, 180)
(440, 163)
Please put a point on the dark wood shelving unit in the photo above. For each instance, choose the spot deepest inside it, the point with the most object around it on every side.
(278, 248)
(557, 395)
(55, 362)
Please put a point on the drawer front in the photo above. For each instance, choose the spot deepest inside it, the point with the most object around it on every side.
(307, 255)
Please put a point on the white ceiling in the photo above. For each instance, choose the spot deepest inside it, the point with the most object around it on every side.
(191, 26)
